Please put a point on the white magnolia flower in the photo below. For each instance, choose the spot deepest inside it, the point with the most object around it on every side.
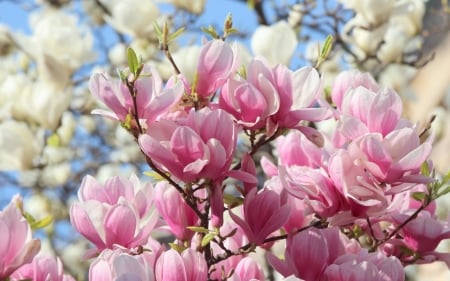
(132, 17)
(374, 12)
(59, 35)
(55, 175)
(195, 7)
(276, 43)
(18, 146)
(59, 44)
(42, 104)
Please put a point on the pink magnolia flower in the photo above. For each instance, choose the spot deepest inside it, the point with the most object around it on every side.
(348, 80)
(116, 213)
(422, 235)
(309, 252)
(190, 265)
(365, 266)
(152, 101)
(42, 268)
(296, 149)
(251, 106)
(372, 169)
(194, 147)
(248, 269)
(299, 216)
(117, 265)
(16, 246)
(274, 97)
(320, 196)
(271, 215)
(215, 65)
(174, 210)
(364, 111)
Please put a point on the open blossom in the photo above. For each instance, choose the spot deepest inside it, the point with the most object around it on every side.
(174, 210)
(248, 269)
(248, 104)
(309, 252)
(320, 196)
(296, 149)
(373, 168)
(422, 235)
(118, 212)
(365, 266)
(16, 246)
(365, 111)
(152, 101)
(190, 265)
(194, 147)
(271, 215)
(348, 80)
(42, 268)
(276, 43)
(117, 265)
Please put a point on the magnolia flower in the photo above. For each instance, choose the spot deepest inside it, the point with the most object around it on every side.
(349, 80)
(364, 111)
(319, 194)
(42, 268)
(118, 212)
(194, 147)
(373, 168)
(216, 63)
(248, 269)
(295, 149)
(133, 17)
(309, 252)
(195, 7)
(374, 12)
(17, 246)
(152, 101)
(276, 43)
(365, 266)
(174, 210)
(59, 39)
(271, 215)
(190, 265)
(118, 265)
(42, 103)
(18, 146)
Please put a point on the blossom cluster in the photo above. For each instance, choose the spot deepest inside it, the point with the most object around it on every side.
(352, 197)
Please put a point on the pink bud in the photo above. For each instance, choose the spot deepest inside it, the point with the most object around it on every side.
(174, 210)
(215, 65)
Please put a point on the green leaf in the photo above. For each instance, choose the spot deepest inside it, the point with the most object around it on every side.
(211, 31)
(157, 30)
(443, 192)
(425, 169)
(207, 238)
(177, 247)
(42, 223)
(133, 62)
(177, 33)
(327, 46)
(198, 229)
(419, 196)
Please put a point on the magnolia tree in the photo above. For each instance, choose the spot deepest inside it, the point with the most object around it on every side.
(211, 162)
